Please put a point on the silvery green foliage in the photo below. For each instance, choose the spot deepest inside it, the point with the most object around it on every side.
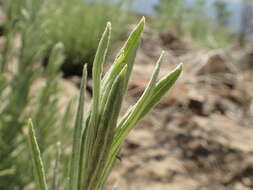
(17, 79)
(98, 138)
(39, 171)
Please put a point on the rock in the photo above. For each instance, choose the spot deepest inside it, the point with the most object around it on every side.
(171, 40)
(215, 62)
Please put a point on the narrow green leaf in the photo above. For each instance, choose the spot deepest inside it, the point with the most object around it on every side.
(91, 124)
(7, 172)
(55, 180)
(56, 59)
(97, 69)
(84, 158)
(37, 160)
(107, 127)
(132, 117)
(110, 162)
(128, 123)
(162, 87)
(125, 52)
(77, 139)
(126, 56)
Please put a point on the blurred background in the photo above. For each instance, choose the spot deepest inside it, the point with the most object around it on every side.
(199, 137)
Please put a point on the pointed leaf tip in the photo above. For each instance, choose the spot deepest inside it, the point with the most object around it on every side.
(85, 68)
(29, 121)
(179, 67)
(142, 23)
(143, 20)
(160, 60)
(109, 25)
(39, 171)
(123, 72)
(59, 46)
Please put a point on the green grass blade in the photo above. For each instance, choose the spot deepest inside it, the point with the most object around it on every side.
(125, 125)
(126, 56)
(92, 124)
(37, 160)
(110, 162)
(97, 70)
(161, 88)
(55, 60)
(7, 172)
(83, 167)
(107, 128)
(132, 117)
(74, 174)
(55, 181)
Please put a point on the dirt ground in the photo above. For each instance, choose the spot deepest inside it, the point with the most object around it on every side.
(200, 137)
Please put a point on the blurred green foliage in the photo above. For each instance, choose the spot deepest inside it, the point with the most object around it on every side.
(222, 13)
(193, 21)
(169, 13)
(19, 96)
(78, 25)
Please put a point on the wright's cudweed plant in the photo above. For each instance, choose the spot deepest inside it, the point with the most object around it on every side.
(98, 139)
